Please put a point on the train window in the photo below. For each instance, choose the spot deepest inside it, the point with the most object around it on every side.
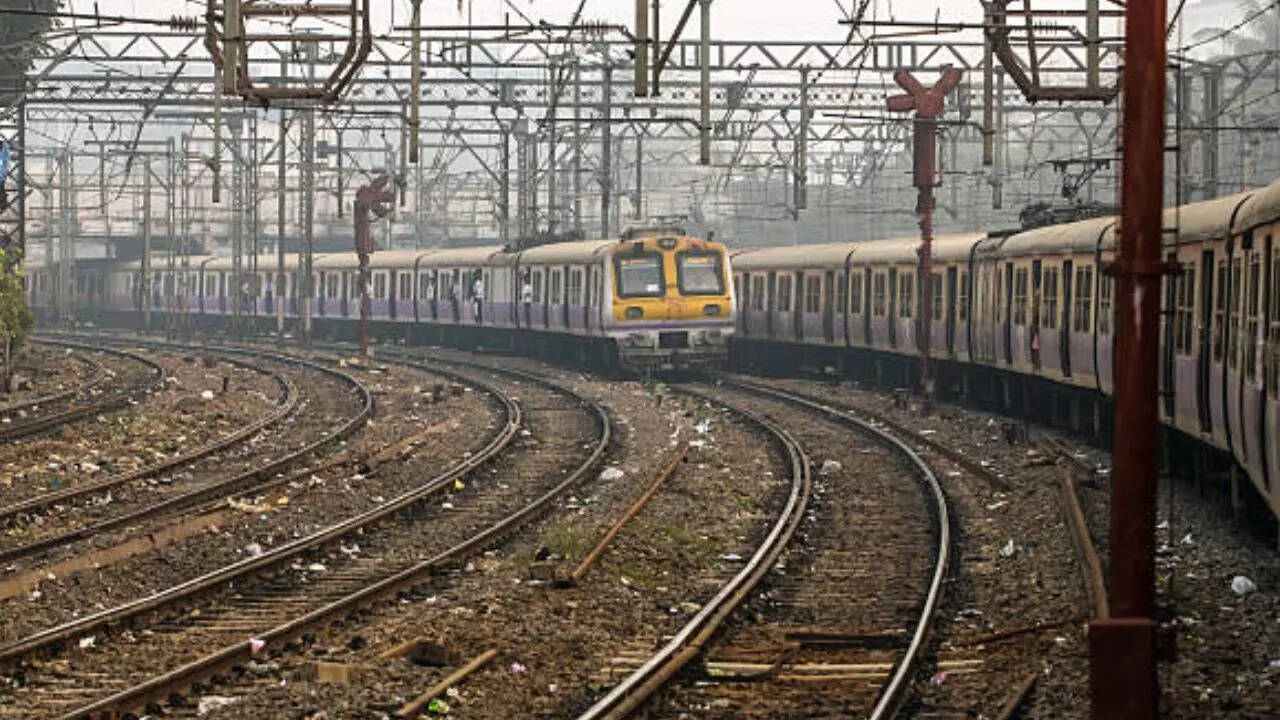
(1080, 315)
(855, 295)
(812, 294)
(1020, 296)
(555, 296)
(1050, 314)
(380, 286)
(784, 293)
(331, 287)
(699, 273)
(639, 274)
(906, 292)
(1233, 351)
(878, 295)
(537, 287)
(1253, 318)
(962, 297)
(937, 295)
(406, 286)
(575, 287)
(1184, 294)
(757, 292)
(222, 284)
(842, 293)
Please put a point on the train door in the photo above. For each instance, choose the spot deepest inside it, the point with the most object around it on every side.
(951, 310)
(1004, 312)
(566, 300)
(866, 306)
(893, 307)
(773, 302)
(1037, 276)
(744, 301)
(1168, 347)
(1205, 300)
(1064, 327)
(828, 307)
(798, 305)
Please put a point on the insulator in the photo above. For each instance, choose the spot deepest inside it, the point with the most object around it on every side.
(184, 22)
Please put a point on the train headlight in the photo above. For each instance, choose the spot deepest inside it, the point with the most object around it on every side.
(667, 243)
(711, 310)
(634, 313)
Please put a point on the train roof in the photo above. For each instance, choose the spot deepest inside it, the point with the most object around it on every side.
(1261, 208)
(792, 256)
(901, 250)
(577, 251)
(1069, 239)
(1198, 222)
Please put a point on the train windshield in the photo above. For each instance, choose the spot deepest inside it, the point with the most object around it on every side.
(639, 275)
(700, 273)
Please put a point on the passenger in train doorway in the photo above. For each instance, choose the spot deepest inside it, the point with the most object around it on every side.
(477, 296)
(526, 296)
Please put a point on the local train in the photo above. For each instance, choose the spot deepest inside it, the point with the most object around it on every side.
(1023, 321)
(655, 299)
(1026, 321)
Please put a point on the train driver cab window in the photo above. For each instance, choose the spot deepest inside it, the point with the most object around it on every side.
(878, 295)
(855, 295)
(699, 273)
(784, 293)
(638, 274)
(757, 292)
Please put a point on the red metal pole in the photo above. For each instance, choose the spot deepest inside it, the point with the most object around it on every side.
(1122, 647)
(372, 199)
(928, 104)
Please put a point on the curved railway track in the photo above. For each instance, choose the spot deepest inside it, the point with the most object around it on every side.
(87, 400)
(695, 639)
(235, 483)
(295, 600)
(96, 375)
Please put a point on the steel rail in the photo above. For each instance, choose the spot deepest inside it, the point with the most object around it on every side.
(239, 653)
(97, 376)
(119, 399)
(285, 405)
(892, 694)
(636, 688)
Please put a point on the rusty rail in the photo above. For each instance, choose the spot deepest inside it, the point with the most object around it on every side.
(1095, 586)
(118, 399)
(637, 687)
(97, 375)
(667, 470)
(177, 680)
(893, 693)
(286, 404)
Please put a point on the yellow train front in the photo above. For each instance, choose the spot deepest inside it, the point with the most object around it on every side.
(671, 303)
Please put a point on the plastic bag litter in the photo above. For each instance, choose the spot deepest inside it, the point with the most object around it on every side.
(253, 549)
(438, 707)
(206, 394)
(209, 703)
(1241, 585)
(1008, 550)
(830, 467)
(610, 474)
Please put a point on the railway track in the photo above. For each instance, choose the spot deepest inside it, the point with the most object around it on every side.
(99, 519)
(96, 374)
(801, 641)
(87, 400)
(134, 669)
